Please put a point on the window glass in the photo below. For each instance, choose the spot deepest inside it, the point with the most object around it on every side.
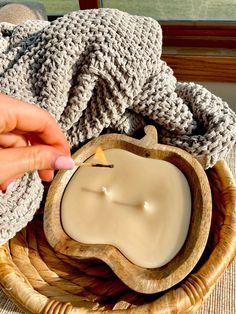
(182, 10)
(55, 7)
(187, 10)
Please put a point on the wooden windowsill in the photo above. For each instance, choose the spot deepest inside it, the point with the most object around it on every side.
(202, 67)
(200, 50)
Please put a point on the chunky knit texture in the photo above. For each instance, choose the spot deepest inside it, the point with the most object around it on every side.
(101, 70)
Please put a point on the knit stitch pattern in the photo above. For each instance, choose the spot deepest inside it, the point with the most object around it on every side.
(98, 70)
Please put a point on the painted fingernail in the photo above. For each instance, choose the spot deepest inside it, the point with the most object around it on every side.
(10, 186)
(64, 163)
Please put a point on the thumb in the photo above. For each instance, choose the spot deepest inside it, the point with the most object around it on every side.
(15, 161)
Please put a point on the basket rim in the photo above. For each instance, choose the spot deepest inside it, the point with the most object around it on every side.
(192, 290)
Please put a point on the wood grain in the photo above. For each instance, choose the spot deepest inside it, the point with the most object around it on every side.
(139, 279)
(218, 37)
(199, 34)
(202, 67)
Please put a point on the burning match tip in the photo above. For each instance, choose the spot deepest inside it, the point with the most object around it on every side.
(102, 165)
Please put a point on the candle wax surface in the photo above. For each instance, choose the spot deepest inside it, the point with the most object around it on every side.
(142, 206)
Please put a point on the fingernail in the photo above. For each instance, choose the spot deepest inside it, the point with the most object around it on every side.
(64, 163)
(10, 186)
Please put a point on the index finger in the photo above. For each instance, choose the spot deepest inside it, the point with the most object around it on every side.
(17, 115)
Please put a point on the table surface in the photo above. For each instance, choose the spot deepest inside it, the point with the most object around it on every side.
(222, 299)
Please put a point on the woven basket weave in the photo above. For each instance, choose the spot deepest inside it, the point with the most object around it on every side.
(40, 280)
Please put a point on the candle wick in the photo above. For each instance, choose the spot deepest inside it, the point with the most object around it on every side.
(145, 205)
(104, 190)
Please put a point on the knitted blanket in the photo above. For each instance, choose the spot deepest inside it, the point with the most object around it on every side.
(102, 70)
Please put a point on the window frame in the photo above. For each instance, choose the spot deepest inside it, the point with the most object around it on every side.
(210, 46)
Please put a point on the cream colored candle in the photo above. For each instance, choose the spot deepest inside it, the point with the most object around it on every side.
(142, 206)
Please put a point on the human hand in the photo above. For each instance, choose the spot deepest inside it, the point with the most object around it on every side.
(30, 139)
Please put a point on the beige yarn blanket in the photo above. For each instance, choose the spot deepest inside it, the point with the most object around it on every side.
(101, 70)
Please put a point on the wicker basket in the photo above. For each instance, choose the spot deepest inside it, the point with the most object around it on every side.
(40, 280)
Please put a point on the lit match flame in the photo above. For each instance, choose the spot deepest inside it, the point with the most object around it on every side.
(99, 156)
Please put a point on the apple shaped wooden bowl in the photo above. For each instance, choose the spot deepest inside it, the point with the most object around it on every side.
(144, 280)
